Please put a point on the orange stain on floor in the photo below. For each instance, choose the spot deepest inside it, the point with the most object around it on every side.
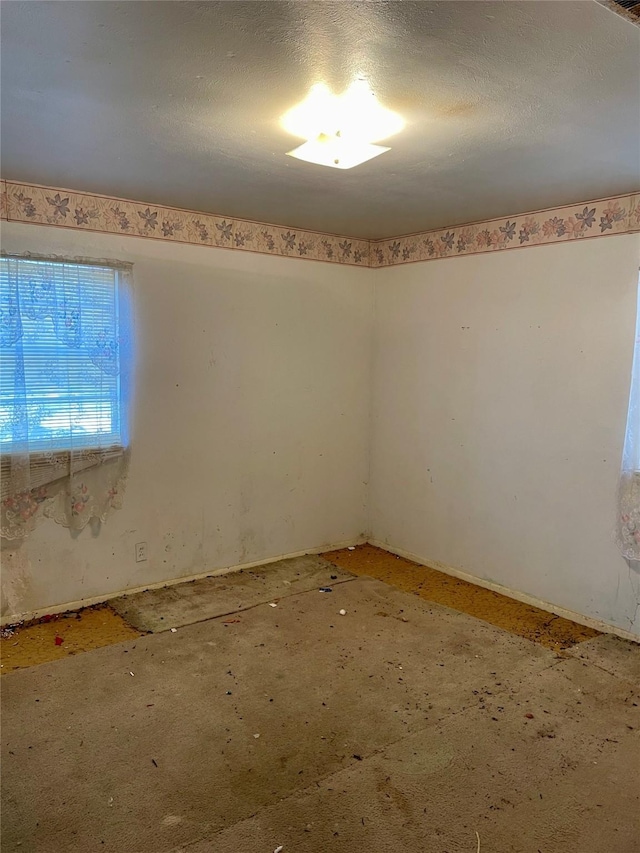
(80, 631)
(527, 621)
(97, 626)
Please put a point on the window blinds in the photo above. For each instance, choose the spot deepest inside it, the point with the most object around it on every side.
(60, 377)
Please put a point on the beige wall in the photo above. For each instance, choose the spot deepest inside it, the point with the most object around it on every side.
(495, 403)
(250, 419)
(500, 396)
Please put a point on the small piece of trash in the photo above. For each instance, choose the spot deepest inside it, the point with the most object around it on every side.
(174, 630)
(272, 604)
(130, 673)
(228, 693)
(351, 548)
(325, 589)
(58, 640)
(529, 716)
(343, 612)
(256, 736)
(279, 849)
(110, 801)
(229, 621)
(334, 577)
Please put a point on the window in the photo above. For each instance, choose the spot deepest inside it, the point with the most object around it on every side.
(62, 379)
(628, 526)
(631, 460)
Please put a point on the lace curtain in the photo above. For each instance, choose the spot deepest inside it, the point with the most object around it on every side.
(65, 338)
(628, 527)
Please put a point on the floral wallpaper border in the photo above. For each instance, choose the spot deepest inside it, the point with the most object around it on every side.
(88, 212)
(84, 211)
(620, 215)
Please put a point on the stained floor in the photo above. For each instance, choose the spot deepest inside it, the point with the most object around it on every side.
(174, 606)
(351, 718)
(535, 624)
(225, 595)
(60, 636)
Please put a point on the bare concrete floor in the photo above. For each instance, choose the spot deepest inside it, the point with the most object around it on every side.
(399, 726)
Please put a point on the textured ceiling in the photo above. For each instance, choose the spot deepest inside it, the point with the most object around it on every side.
(510, 106)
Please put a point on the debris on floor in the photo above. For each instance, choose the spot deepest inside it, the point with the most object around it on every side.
(367, 738)
(187, 602)
(76, 631)
(524, 620)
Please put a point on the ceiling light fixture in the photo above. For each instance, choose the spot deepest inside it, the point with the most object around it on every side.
(336, 152)
(340, 129)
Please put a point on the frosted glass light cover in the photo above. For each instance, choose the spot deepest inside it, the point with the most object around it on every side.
(336, 152)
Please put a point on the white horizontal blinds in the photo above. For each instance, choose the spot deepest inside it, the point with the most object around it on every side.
(59, 384)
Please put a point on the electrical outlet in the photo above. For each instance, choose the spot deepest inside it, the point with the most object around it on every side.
(141, 552)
